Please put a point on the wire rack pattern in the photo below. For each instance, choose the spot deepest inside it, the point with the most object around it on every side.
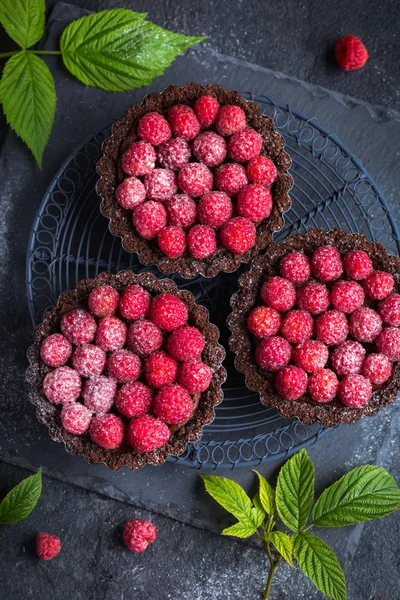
(70, 241)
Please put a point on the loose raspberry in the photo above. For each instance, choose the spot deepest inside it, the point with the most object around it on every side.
(133, 399)
(263, 322)
(261, 170)
(365, 324)
(355, 390)
(186, 343)
(195, 179)
(168, 312)
(313, 297)
(295, 266)
(206, 109)
(358, 264)
(388, 343)
(346, 296)
(98, 393)
(124, 366)
(130, 193)
(138, 534)
(379, 285)
(139, 159)
(146, 433)
(347, 358)
(209, 148)
(144, 337)
(78, 326)
(245, 145)
(173, 405)
(254, 202)
(111, 334)
(273, 353)
(149, 218)
(331, 327)
(174, 154)
(323, 385)
(389, 310)
(326, 263)
(75, 418)
(55, 350)
(89, 360)
(160, 185)
(376, 368)
(350, 53)
(103, 301)
(172, 241)
(297, 326)
(153, 128)
(160, 369)
(278, 293)
(107, 431)
(181, 210)
(183, 121)
(311, 355)
(230, 178)
(230, 119)
(201, 241)
(195, 376)
(238, 235)
(215, 208)
(62, 385)
(134, 302)
(291, 382)
(47, 546)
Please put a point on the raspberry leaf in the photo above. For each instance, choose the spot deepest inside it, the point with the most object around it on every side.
(258, 510)
(21, 500)
(231, 496)
(363, 494)
(239, 530)
(23, 20)
(282, 542)
(295, 491)
(267, 495)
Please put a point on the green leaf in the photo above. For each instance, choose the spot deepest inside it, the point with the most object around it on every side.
(282, 542)
(320, 565)
(258, 510)
(21, 500)
(363, 494)
(23, 20)
(295, 491)
(233, 498)
(29, 100)
(239, 530)
(267, 495)
(118, 50)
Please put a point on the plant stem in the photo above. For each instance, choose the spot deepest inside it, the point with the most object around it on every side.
(6, 54)
(270, 576)
(52, 52)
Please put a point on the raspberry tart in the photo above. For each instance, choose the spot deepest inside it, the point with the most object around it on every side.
(194, 180)
(316, 327)
(126, 369)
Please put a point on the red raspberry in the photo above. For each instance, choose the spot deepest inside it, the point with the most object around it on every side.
(186, 343)
(130, 193)
(389, 310)
(379, 285)
(149, 218)
(254, 202)
(323, 385)
(139, 159)
(168, 312)
(47, 546)
(103, 301)
(195, 179)
(144, 337)
(62, 385)
(133, 399)
(138, 534)
(75, 418)
(331, 327)
(263, 322)
(146, 433)
(174, 154)
(278, 293)
(295, 266)
(78, 326)
(215, 208)
(160, 185)
(297, 326)
(183, 121)
(134, 302)
(181, 211)
(206, 109)
(238, 235)
(365, 324)
(291, 382)
(311, 355)
(172, 241)
(326, 263)
(209, 148)
(230, 119)
(261, 170)
(201, 241)
(350, 53)
(153, 128)
(273, 353)
(111, 334)
(173, 405)
(195, 376)
(388, 343)
(355, 390)
(230, 178)
(107, 431)
(245, 145)
(89, 360)
(376, 368)
(358, 264)
(98, 393)
(55, 350)
(160, 369)
(124, 366)
(348, 357)
(346, 296)
(313, 297)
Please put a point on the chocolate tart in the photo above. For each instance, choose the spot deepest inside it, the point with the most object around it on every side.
(124, 133)
(189, 431)
(242, 343)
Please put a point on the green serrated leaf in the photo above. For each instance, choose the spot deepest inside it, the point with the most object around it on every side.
(29, 100)
(233, 498)
(295, 491)
(363, 494)
(267, 495)
(258, 510)
(21, 500)
(118, 50)
(239, 530)
(23, 20)
(320, 564)
(282, 542)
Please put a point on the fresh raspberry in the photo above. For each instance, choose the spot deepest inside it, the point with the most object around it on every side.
(376, 368)
(181, 210)
(295, 266)
(160, 185)
(47, 546)
(133, 399)
(186, 343)
(254, 202)
(331, 327)
(111, 334)
(103, 301)
(62, 385)
(355, 390)
(173, 405)
(388, 343)
(144, 337)
(230, 178)
(297, 326)
(160, 369)
(130, 193)
(146, 433)
(209, 148)
(78, 326)
(153, 128)
(107, 431)
(350, 53)
(75, 418)
(326, 263)
(55, 350)
(149, 218)
(195, 179)
(365, 324)
(124, 366)
(323, 385)
(278, 293)
(174, 154)
(206, 109)
(245, 145)
(168, 312)
(358, 264)
(172, 241)
(389, 310)
(201, 241)
(89, 360)
(311, 355)
(138, 534)
(263, 322)
(134, 302)
(238, 235)
(379, 285)
(291, 382)
(313, 297)
(347, 358)
(273, 353)
(230, 119)
(194, 376)
(98, 393)
(183, 121)
(214, 209)
(139, 159)
(346, 296)
(261, 170)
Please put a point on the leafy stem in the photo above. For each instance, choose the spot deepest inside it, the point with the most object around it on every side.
(39, 52)
(272, 569)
